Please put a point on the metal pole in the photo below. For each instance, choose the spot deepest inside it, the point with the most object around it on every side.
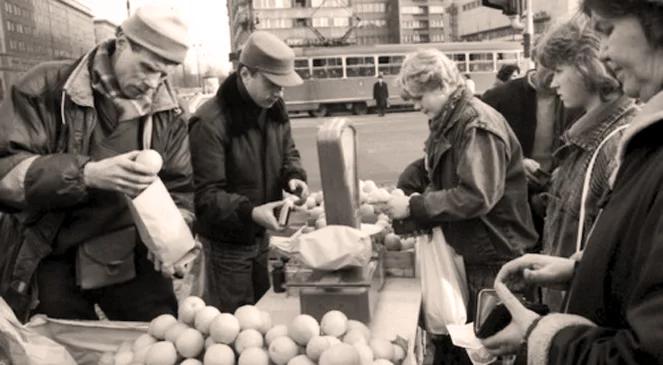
(128, 8)
(530, 28)
(200, 84)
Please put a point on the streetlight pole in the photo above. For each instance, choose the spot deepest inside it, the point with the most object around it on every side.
(128, 8)
(530, 29)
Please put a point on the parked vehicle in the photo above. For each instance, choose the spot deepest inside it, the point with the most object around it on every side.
(341, 78)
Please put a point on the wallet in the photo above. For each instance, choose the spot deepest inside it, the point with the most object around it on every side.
(500, 317)
(107, 259)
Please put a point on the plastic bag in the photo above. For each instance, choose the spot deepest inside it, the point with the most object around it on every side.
(20, 345)
(87, 341)
(443, 282)
(334, 248)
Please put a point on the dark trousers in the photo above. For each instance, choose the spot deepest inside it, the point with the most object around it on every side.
(236, 274)
(382, 107)
(478, 277)
(143, 298)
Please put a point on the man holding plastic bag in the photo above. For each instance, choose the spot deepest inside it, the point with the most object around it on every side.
(476, 199)
(69, 165)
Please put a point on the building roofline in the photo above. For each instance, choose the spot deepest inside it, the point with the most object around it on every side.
(98, 20)
(77, 5)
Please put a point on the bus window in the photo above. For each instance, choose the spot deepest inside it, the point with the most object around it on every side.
(507, 58)
(481, 62)
(328, 68)
(360, 66)
(390, 65)
(459, 59)
(302, 68)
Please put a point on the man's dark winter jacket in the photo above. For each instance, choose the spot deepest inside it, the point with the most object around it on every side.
(237, 163)
(516, 101)
(47, 123)
(619, 283)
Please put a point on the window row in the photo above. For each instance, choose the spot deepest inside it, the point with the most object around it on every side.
(369, 66)
(370, 7)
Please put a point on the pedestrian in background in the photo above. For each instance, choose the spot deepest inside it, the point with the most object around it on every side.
(477, 192)
(470, 84)
(584, 83)
(381, 95)
(505, 73)
(71, 132)
(243, 158)
(614, 309)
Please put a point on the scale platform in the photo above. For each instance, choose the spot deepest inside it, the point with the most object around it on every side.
(354, 291)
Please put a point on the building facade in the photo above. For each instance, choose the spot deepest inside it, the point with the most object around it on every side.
(421, 21)
(469, 21)
(302, 23)
(104, 29)
(34, 31)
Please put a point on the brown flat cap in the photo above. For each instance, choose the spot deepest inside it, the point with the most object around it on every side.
(266, 53)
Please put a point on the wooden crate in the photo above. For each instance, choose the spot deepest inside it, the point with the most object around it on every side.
(400, 263)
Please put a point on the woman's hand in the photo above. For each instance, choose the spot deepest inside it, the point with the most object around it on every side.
(509, 340)
(536, 270)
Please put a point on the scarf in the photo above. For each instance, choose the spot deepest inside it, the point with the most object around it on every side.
(105, 83)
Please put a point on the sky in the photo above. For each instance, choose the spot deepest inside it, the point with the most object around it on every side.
(208, 29)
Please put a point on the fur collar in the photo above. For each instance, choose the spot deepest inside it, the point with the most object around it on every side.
(241, 111)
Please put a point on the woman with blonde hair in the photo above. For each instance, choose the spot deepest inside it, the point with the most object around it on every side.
(588, 154)
(477, 192)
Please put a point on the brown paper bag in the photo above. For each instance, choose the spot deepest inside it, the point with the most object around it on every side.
(161, 225)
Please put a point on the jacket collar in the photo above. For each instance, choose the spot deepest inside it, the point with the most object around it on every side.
(448, 115)
(588, 131)
(79, 87)
(242, 111)
(650, 114)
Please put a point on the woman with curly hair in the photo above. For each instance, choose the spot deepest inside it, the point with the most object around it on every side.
(614, 309)
(477, 191)
(588, 154)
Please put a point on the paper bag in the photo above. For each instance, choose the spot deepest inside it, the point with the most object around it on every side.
(20, 345)
(335, 247)
(161, 225)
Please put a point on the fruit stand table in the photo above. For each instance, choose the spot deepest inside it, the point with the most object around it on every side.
(396, 313)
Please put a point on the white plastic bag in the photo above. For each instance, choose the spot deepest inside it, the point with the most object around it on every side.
(334, 247)
(87, 340)
(20, 345)
(443, 282)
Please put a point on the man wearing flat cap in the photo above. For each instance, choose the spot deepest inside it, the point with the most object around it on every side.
(71, 135)
(243, 158)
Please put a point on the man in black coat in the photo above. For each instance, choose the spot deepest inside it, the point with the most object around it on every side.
(381, 95)
(243, 158)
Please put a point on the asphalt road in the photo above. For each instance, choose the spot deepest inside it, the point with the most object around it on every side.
(385, 145)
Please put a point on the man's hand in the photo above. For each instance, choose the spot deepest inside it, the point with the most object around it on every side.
(398, 207)
(119, 173)
(299, 188)
(509, 340)
(532, 269)
(264, 215)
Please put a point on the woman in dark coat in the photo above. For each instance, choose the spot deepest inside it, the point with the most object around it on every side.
(614, 309)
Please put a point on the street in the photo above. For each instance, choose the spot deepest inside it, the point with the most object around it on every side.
(385, 145)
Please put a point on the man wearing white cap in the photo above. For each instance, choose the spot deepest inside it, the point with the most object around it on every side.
(243, 158)
(71, 133)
